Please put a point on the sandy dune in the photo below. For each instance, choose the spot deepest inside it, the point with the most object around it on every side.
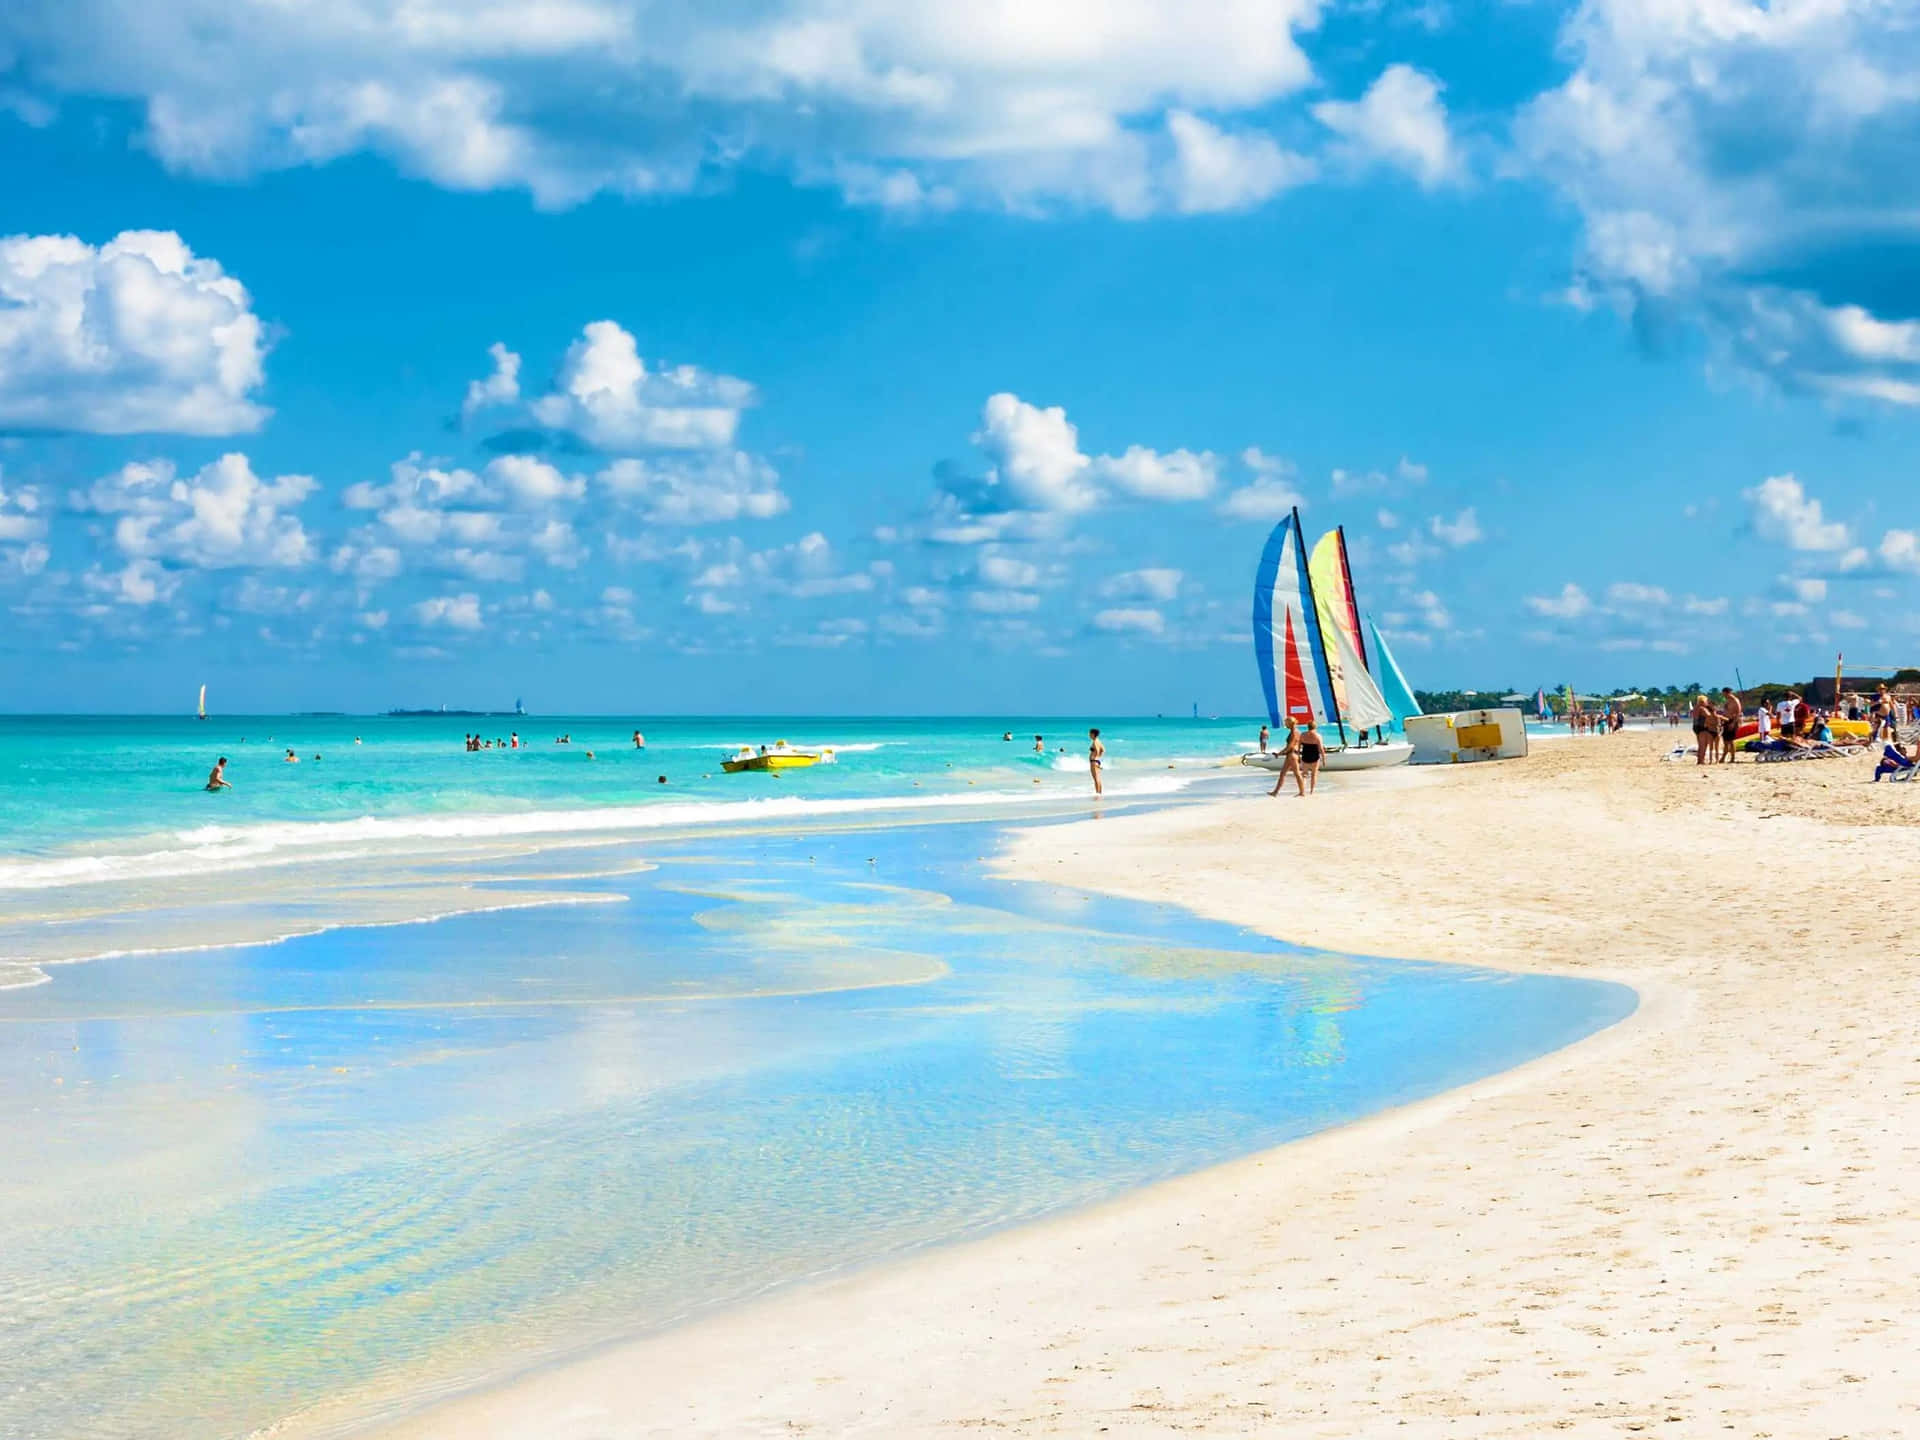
(1704, 1221)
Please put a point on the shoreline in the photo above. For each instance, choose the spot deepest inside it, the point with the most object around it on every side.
(1562, 1245)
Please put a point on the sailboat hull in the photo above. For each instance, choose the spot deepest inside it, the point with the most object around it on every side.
(1357, 757)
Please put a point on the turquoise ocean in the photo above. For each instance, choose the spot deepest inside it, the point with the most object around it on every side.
(403, 1069)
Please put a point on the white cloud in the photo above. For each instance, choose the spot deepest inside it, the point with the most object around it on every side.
(1386, 519)
(502, 387)
(455, 612)
(1157, 585)
(1695, 605)
(1036, 454)
(135, 336)
(1411, 471)
(23, 526)
(1900, 550)
(1706, 141)
(1632, 595)
(1809, 589)
(1002, 602)
(1433, 614)
(1462, 530)
(1008, 573)
(1784, 512)
(1571, 603)
(697, 490)
(1262, 500)
(532, 483)
(1401, 122)
(1216, 170)
(222, 515)
(1151, 475)
(915, 106)
(608, 398)
(1130, 621)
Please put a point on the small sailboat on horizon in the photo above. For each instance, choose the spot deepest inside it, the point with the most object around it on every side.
(203, 701)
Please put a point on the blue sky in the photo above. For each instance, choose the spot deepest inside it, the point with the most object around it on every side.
(792, 355)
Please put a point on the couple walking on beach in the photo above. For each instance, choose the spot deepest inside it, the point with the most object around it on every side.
(1300, 757)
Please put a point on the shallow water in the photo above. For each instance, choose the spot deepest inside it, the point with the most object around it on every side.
(363, 1166)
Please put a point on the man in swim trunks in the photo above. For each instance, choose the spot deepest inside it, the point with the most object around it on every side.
(218, 779)
(1096, 758)
(1730, 713)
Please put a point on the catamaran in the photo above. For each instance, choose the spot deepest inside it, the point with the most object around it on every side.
(1312, 656)
(203, 702)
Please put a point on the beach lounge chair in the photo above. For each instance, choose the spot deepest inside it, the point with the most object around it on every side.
(1778, 750)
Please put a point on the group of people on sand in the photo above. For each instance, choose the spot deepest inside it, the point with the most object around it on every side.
(1301, 754)
(1715, 729)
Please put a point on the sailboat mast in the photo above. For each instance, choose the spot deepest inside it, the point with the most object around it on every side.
(1313, 619)
(1353, 605)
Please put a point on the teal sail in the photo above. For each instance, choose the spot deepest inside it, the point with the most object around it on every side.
(1386, 674)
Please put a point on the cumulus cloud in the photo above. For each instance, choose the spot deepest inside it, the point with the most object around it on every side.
(1900, 550)
(1730, 162)
(531, 483)
(222, 515)
(1125, 620)
(1462, 530)
(1785, 513)
(1271, 493)
(1038, 477)
(1400, 121)
(1152, 475)
(696, 490)
(134, 336)
(502, 387)
(23, 528)
(1035, 454)
(1571, 603)
(1217, 170)
(912, 106)
(1158, 585)
(453, 612)
(608, 398)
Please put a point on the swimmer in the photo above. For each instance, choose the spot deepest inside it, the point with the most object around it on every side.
(356, 739)
(514, 743)
(639, 741)
(589, 754)
(218, 779)
(292, 759)
(1039, 746)
(663, 779)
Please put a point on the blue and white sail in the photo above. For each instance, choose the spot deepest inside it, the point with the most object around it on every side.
(1393, 684)
(1287, 643)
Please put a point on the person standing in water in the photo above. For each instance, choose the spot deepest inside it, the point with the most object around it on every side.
(639, 741)
(1265, 736)
(1096, 758)
(1290, 760)
(1039, 746)
(218, 779)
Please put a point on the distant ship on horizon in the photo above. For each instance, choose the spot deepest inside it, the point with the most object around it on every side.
(519, 709)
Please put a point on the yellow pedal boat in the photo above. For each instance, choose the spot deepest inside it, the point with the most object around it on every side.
(777, 756)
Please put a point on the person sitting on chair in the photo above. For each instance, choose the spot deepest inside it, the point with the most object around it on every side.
(1892, 761)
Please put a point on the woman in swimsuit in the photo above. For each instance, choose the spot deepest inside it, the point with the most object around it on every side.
(1312, 752)
(1290, 760)
(1096, 758)
(1706, 729)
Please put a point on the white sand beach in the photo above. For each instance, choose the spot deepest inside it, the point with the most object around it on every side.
(1703, 1221)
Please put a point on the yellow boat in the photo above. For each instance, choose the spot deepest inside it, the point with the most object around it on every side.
(777, 756)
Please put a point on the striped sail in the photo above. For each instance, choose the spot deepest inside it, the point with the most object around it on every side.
(1287, 644)
(1393, 685)
(1360, 702)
